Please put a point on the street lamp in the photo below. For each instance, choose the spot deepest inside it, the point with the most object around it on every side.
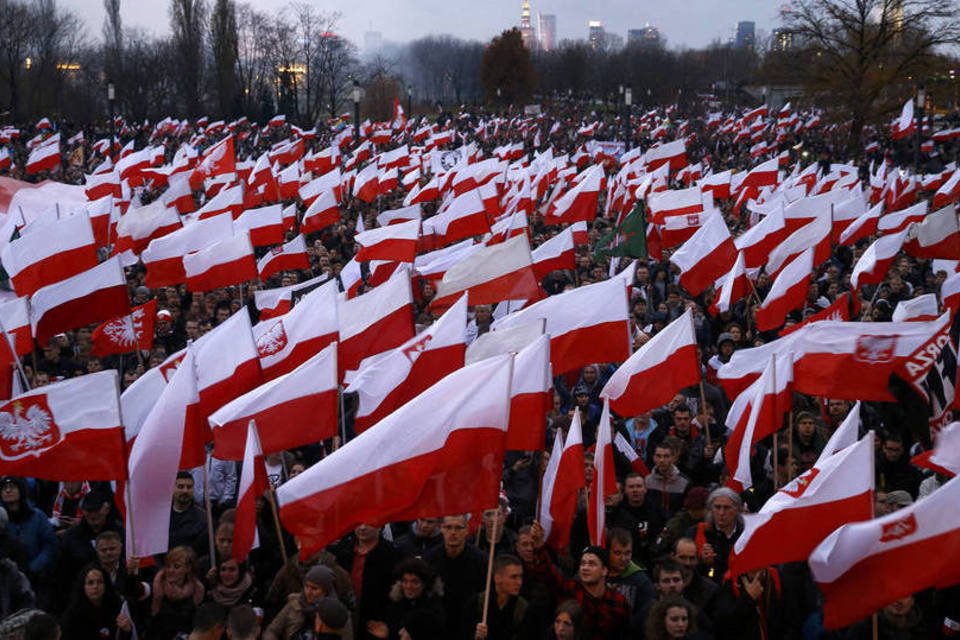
(356, 110)
(921, 101)
(111, 96)
(409, 100)
(627, 103)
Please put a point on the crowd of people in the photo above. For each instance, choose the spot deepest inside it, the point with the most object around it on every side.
(662, 571)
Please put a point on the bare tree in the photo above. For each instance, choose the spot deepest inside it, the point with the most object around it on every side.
(856, 50)
(113, 39)
(336, 60)
(16, 28)
(254, 67)
(187, 22)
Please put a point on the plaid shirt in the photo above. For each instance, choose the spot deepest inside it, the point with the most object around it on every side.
(604, 618)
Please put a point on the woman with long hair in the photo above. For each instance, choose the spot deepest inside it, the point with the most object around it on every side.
(567, 623)
(95, 610)
(176, 594)
(232, 584)
(671, 618)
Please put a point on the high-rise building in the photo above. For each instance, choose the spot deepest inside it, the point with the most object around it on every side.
(648, 38)
(547, 31)
(746, 35)
(372, 43)
(783, 40)
(526, 28)
(596, 34)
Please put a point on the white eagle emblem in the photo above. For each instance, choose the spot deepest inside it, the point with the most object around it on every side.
(125, 331)
(875, 349)
(27, 428)
(272, 341)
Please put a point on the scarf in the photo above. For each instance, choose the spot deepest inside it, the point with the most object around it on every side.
(63, 496)
(229, 596)
(162, 588)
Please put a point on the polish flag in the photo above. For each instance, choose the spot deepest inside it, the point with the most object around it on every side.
(15, 322)
(366, 186)
(221, 264)
(905, 125)
(297, 408)
(787, 293)
(923, 307)
(839, 310)
(555, 254)
(531, 397)
(717, 184)
(672, 153)
(265, 225)
(451, 462)
(68, 430)
(731, 288)
(755, 414)
(815, 236)
(155, 459)
(103, 219)
(604, 479)
(862, 227)
(322, 212)
(937, 236)
(217, 160)
(500, 272)
(512, 340)
(677, 202)
(435, 264)
(163, 257)
(764, 174)
(873, 265)
(101, 185)
(463, 218)
(396, 216)
(137, 227)
(653, 375)
(949, 292)
(864, 566)
(44, 157)
(396, 242)
(127, 333)
(845, 436)
(757, 242)
(389, 380)
(285, 342)
(799, 516)
(579, 203)
(253, 484)
(376, 321)
(586, 325)
(846, 213)
(138, 400)
(949, 191)
(562, 481)
(229, 199)
(945, 456)
(423, 193)
(581, 236)
(88, 297)
(846, 360)
(291, 256)
(706, 256)
(278, 301)
(332, 181)
(50, 252)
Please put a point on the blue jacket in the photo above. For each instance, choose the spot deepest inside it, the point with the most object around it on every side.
(39, 541)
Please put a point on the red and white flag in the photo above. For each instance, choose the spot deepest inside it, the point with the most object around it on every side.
(322, 212)
(278, 301)
(788, 292)
(451, 462)
(586, 325)
(378, 320)
(291, 256)
(163, 257)
(396, 216)
(15, 321)
(221, 264)
(228, 199)
(874, 263)
(155, 459)
(92, 296)
(937, 236)
(706, 256)
(389, 380)
(292, 410)
(846, 434)
(464, 217)
(555, 254)
(127, 333)
(531, 397)
(945, 456)
(579, 203)
(838, 310)
(491, 274)
(653, 375)
(396, 242)
(677, 202)
(906, 124)
(604, 479)
(50, 252)
(800, 515)
(265, 225)
(68, 430)
(864, 566)
(863, 227)
(139, 399)
(814, 235)
(563, 479)
(137, 227)
(285, 342)
(253, 484)
(758, 241)
(732, 287)
(44, 157)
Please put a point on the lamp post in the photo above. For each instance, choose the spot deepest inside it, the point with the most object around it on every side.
(356, 111)
(919, 104)
(111, 96)
(627, 103)
(409, 100)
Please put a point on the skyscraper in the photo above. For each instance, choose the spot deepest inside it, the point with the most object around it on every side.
(596, 34)
(526, 29)
(647, 38)
(746, 35)
(547, 31)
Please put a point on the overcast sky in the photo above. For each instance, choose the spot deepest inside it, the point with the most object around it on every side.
(691, 23)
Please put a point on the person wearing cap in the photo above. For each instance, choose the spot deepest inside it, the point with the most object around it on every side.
(30, 527)
(809, 439)
(299, 612)
(606, 613)
(332, 620)
(415, 595)
(77, 544)
(167, 334)
(726, 344)
(893, 469)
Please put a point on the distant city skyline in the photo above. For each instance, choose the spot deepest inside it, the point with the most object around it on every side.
(682, 23)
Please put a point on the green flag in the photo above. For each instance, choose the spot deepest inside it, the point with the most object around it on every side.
(632, 234)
